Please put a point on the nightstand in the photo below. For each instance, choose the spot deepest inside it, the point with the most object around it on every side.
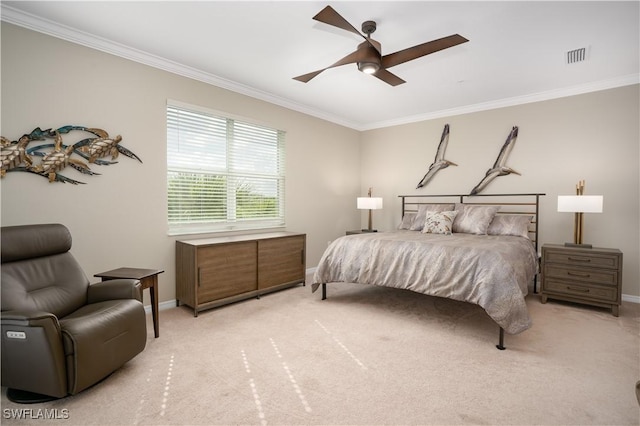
(359, 231)
(582, 275)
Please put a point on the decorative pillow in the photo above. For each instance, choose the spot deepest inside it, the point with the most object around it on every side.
(510, 224)
(439, 222)
(473, 219)
(407, 220)
(418, 222)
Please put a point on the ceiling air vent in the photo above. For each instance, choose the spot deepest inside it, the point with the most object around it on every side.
(576, 55)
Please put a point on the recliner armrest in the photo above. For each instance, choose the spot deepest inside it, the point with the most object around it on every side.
(31, 318)
(114, 289)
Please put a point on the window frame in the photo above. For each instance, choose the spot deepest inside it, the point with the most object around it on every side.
(231, 223)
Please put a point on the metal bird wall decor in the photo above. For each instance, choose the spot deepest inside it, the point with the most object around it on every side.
(499, 168)
(439, 162)
(16, 157)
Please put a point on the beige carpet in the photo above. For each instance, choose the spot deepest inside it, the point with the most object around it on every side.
(366, 356)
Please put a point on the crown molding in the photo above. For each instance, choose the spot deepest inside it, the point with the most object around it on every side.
(54, 29)
(626, 80)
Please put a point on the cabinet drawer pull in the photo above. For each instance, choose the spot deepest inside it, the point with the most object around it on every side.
(578, 259)
(199, 277)
(578, 274)
(583, 290)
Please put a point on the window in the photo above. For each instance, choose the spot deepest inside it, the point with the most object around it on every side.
(223, 174)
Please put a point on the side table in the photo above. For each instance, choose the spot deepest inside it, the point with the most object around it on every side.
(148, 279)
(583, 275)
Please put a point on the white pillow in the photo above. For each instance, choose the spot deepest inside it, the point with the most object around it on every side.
(473, 219)
(439, 222)
(407, 220)
(510, 224)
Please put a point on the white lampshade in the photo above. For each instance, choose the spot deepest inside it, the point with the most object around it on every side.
(369, 203)
(580, 203)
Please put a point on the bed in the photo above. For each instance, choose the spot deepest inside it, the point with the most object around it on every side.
(481, 249)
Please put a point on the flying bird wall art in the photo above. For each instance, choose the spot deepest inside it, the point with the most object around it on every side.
(499, 167)
(439, 162)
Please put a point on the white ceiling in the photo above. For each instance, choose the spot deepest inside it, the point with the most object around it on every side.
(516, 53)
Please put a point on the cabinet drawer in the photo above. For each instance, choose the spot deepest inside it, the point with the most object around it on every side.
(605, 294)
(585, 275)
(592, 260)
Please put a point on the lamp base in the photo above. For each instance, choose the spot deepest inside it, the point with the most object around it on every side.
(576, 245)
(369, 230)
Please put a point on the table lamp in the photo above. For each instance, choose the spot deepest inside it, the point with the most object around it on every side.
(369, 203)
(579, 204)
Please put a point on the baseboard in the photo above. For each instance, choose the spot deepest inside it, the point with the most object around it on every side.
(310, 271)
(162, 306)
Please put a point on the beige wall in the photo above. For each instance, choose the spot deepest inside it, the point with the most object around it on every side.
(594, 137)
(119, 218)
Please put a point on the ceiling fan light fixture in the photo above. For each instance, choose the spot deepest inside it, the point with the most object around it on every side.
(368, 67)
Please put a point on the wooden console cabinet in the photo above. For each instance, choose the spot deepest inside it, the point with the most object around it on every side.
(215, 271)
(582, 275)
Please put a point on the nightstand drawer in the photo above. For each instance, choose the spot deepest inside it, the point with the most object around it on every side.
(583, 259)
(605, 294)
(586, 275)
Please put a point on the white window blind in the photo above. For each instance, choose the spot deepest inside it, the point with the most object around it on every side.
(222, 174)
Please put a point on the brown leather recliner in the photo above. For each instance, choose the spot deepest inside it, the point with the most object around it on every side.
(60, 334)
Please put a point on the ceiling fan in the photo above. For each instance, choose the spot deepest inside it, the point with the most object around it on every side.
(369, 57)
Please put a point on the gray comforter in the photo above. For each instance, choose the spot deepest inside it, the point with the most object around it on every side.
(490, 271)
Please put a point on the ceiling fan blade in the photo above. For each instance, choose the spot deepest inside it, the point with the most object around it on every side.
(388, 77)
(306, 77)
(329, 16)
(420, 50)
(349, 59)
(375, 44)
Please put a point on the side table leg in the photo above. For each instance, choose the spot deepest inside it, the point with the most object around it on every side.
(153, 292)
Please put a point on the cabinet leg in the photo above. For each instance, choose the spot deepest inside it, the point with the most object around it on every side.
(543, 298)
(615, 310)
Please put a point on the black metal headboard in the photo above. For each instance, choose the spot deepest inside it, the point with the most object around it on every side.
(528, 204)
